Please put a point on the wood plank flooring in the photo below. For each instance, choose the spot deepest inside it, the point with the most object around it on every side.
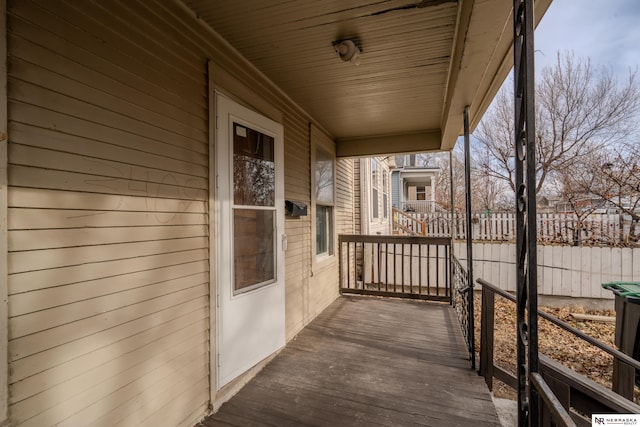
(367, 361)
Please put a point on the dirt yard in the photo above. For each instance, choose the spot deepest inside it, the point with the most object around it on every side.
(553, 342)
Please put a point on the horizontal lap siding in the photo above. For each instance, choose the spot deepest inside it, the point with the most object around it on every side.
(345, 194)
(108, 217)
(297, 258)
(323, 285)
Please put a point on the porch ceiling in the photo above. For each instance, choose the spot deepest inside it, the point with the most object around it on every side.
(422, 62)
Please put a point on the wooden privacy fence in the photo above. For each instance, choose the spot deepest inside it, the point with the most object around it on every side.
(562, 270)
(397, 266)
(565, 228)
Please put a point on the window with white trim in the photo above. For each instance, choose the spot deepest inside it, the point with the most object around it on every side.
(324, 195)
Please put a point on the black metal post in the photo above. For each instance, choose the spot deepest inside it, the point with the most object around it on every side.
(467, 184)
(452, 226)
(526, 248)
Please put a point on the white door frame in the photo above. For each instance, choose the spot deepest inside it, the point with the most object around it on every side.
(264, 306)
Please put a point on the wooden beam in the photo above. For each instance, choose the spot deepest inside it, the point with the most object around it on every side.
(427, 140)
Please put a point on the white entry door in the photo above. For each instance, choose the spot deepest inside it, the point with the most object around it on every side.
(250, 224)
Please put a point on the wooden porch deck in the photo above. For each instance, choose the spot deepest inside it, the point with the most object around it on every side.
(368, 361)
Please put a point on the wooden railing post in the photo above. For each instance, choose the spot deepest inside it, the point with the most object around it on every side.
(486, 336)
(624, 377)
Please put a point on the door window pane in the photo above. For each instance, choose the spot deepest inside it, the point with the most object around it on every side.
(254, 175)
(253, 248)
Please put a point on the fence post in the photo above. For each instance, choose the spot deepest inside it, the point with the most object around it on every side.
(486, 336)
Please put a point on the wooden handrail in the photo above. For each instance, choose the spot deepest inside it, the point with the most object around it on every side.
(602, 346)
(576, 393)
(422, 225)
(415, 267)
(559, 414)
(368, 238)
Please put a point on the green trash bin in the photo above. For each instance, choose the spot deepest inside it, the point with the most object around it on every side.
(627, 305)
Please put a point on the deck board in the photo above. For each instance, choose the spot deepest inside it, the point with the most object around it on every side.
(367, 361)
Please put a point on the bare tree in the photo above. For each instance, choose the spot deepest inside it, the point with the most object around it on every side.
(443, 184)
(578, 111)
(575, 186)
(610, 179)
(618, 182)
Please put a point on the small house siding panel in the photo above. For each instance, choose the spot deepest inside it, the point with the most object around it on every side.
(108, 218)
(357, 197)
(345, 192)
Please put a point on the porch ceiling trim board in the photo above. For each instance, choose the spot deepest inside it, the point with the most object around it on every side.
(389, 144)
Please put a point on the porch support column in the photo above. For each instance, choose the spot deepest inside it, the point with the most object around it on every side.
(526, 260)
(452, 226)
(467, 185)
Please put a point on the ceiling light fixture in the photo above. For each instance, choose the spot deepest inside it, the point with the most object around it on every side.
(348, 50)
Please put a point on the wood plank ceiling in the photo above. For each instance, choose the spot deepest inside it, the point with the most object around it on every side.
(422, 62)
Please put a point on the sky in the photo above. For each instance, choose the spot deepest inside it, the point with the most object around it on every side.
(606, 31)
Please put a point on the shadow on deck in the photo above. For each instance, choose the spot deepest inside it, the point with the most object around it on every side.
(368, 361)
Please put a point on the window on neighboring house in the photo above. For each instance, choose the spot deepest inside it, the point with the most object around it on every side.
(374, 189)
(385, 194)
(324, 183)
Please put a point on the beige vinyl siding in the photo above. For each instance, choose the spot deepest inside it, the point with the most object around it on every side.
(323, 284)
(108, 218)
(357, 196)
(298, 255)
(364, 198)
(345, 192)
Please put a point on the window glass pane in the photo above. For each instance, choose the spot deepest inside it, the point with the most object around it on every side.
(385, 194)
(324, 230)
(324, 176)
(254, 175)
(385, 209)
(253, 247)
(374, 173)
(374, 203)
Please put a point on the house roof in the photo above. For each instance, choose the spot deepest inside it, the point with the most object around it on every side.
(422, 62)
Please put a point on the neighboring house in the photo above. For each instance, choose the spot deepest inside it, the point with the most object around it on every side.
(149, 149)
(373, 201)
(585, 204)
(549, 204)
(413, 187)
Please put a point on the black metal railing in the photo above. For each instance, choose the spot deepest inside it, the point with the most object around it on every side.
(396, 266)
(555, 384)
(461, 289)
